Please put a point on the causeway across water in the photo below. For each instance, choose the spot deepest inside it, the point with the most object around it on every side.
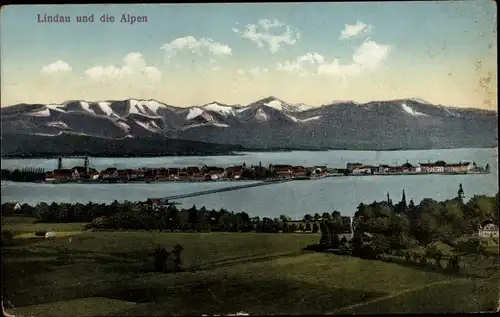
(225, 189)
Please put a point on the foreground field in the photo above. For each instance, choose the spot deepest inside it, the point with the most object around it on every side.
(105, 273)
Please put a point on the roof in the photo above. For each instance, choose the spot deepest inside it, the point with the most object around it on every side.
(490, 227)
(278, 166)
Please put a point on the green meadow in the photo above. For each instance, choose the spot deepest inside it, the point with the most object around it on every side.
(85, 273)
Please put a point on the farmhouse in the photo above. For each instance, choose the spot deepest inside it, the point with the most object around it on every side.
(488, 229)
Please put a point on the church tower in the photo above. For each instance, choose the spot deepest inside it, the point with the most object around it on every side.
(460, 192)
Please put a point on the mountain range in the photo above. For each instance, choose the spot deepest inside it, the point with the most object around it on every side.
(268, 123)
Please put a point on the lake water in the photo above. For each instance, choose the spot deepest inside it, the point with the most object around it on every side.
(293, 198)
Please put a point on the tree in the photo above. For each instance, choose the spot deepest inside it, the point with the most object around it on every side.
(345, 246)
(434, 252)
(315, 227)
(380, 245)
(307, 217)
(301, 227)
(193, 216)
(454, 263)
(325, 236)
(308, 227)
(43, 212)
(326, 216)
(160, 259)
(411, 205)
(316, 217)
(177, 256)
(335, 241)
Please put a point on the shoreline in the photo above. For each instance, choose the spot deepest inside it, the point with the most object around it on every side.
(231, 153)
(265, 181)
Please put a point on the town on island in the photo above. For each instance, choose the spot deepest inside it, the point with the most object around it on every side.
(273, 172)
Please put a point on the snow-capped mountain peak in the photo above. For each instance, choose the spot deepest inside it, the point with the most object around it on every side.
(420, 100)
(142, 106)
(410, 110)
(219, 108)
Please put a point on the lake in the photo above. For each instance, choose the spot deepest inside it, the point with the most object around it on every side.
(293, 198)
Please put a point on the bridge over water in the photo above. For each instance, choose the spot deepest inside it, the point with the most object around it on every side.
(221, 190)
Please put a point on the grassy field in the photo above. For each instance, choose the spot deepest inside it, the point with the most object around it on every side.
(105, 273)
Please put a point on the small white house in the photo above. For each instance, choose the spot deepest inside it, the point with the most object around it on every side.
(488, 230)
(50, 235)
(17, 207)
(418, 169)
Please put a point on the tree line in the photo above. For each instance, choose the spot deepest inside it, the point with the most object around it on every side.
(140, 216)
(382, 228)
(23, 175)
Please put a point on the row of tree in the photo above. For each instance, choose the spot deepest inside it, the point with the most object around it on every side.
(384, 228)
(140, 215)
(23, 175)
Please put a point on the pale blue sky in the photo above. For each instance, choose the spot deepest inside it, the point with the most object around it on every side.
(423, 39)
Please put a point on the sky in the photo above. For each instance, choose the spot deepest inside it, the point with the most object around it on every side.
(191, 54)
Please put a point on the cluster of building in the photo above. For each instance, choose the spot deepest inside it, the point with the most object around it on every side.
(439, 167)
(258, 172)
(190, 173)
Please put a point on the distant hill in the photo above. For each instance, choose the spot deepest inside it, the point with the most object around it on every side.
(23, 145)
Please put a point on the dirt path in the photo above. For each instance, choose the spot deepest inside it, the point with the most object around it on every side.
(409, 290)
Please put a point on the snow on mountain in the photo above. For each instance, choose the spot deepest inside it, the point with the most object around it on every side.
(222, 109)
(104, 105)
(411, 111)
(420, 101)
(343, 101)
(141, 107)
(303, 120)
(311, 119)
(123, 125)
(56, 107)
(281, 105)
(209, 124)
(194, 112)
(261, 115)
(152, 105)
(58, 124)
(41, 113)
(276, 104)
(85, 105)
(150, 126)
(299, 107)
(48, 134)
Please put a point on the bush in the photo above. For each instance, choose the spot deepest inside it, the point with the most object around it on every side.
(335, 241)
(177, 259)
(454, 263)
(475, 245)
(160, 259)
(423, 261)
(7, 238)
(40, 233)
